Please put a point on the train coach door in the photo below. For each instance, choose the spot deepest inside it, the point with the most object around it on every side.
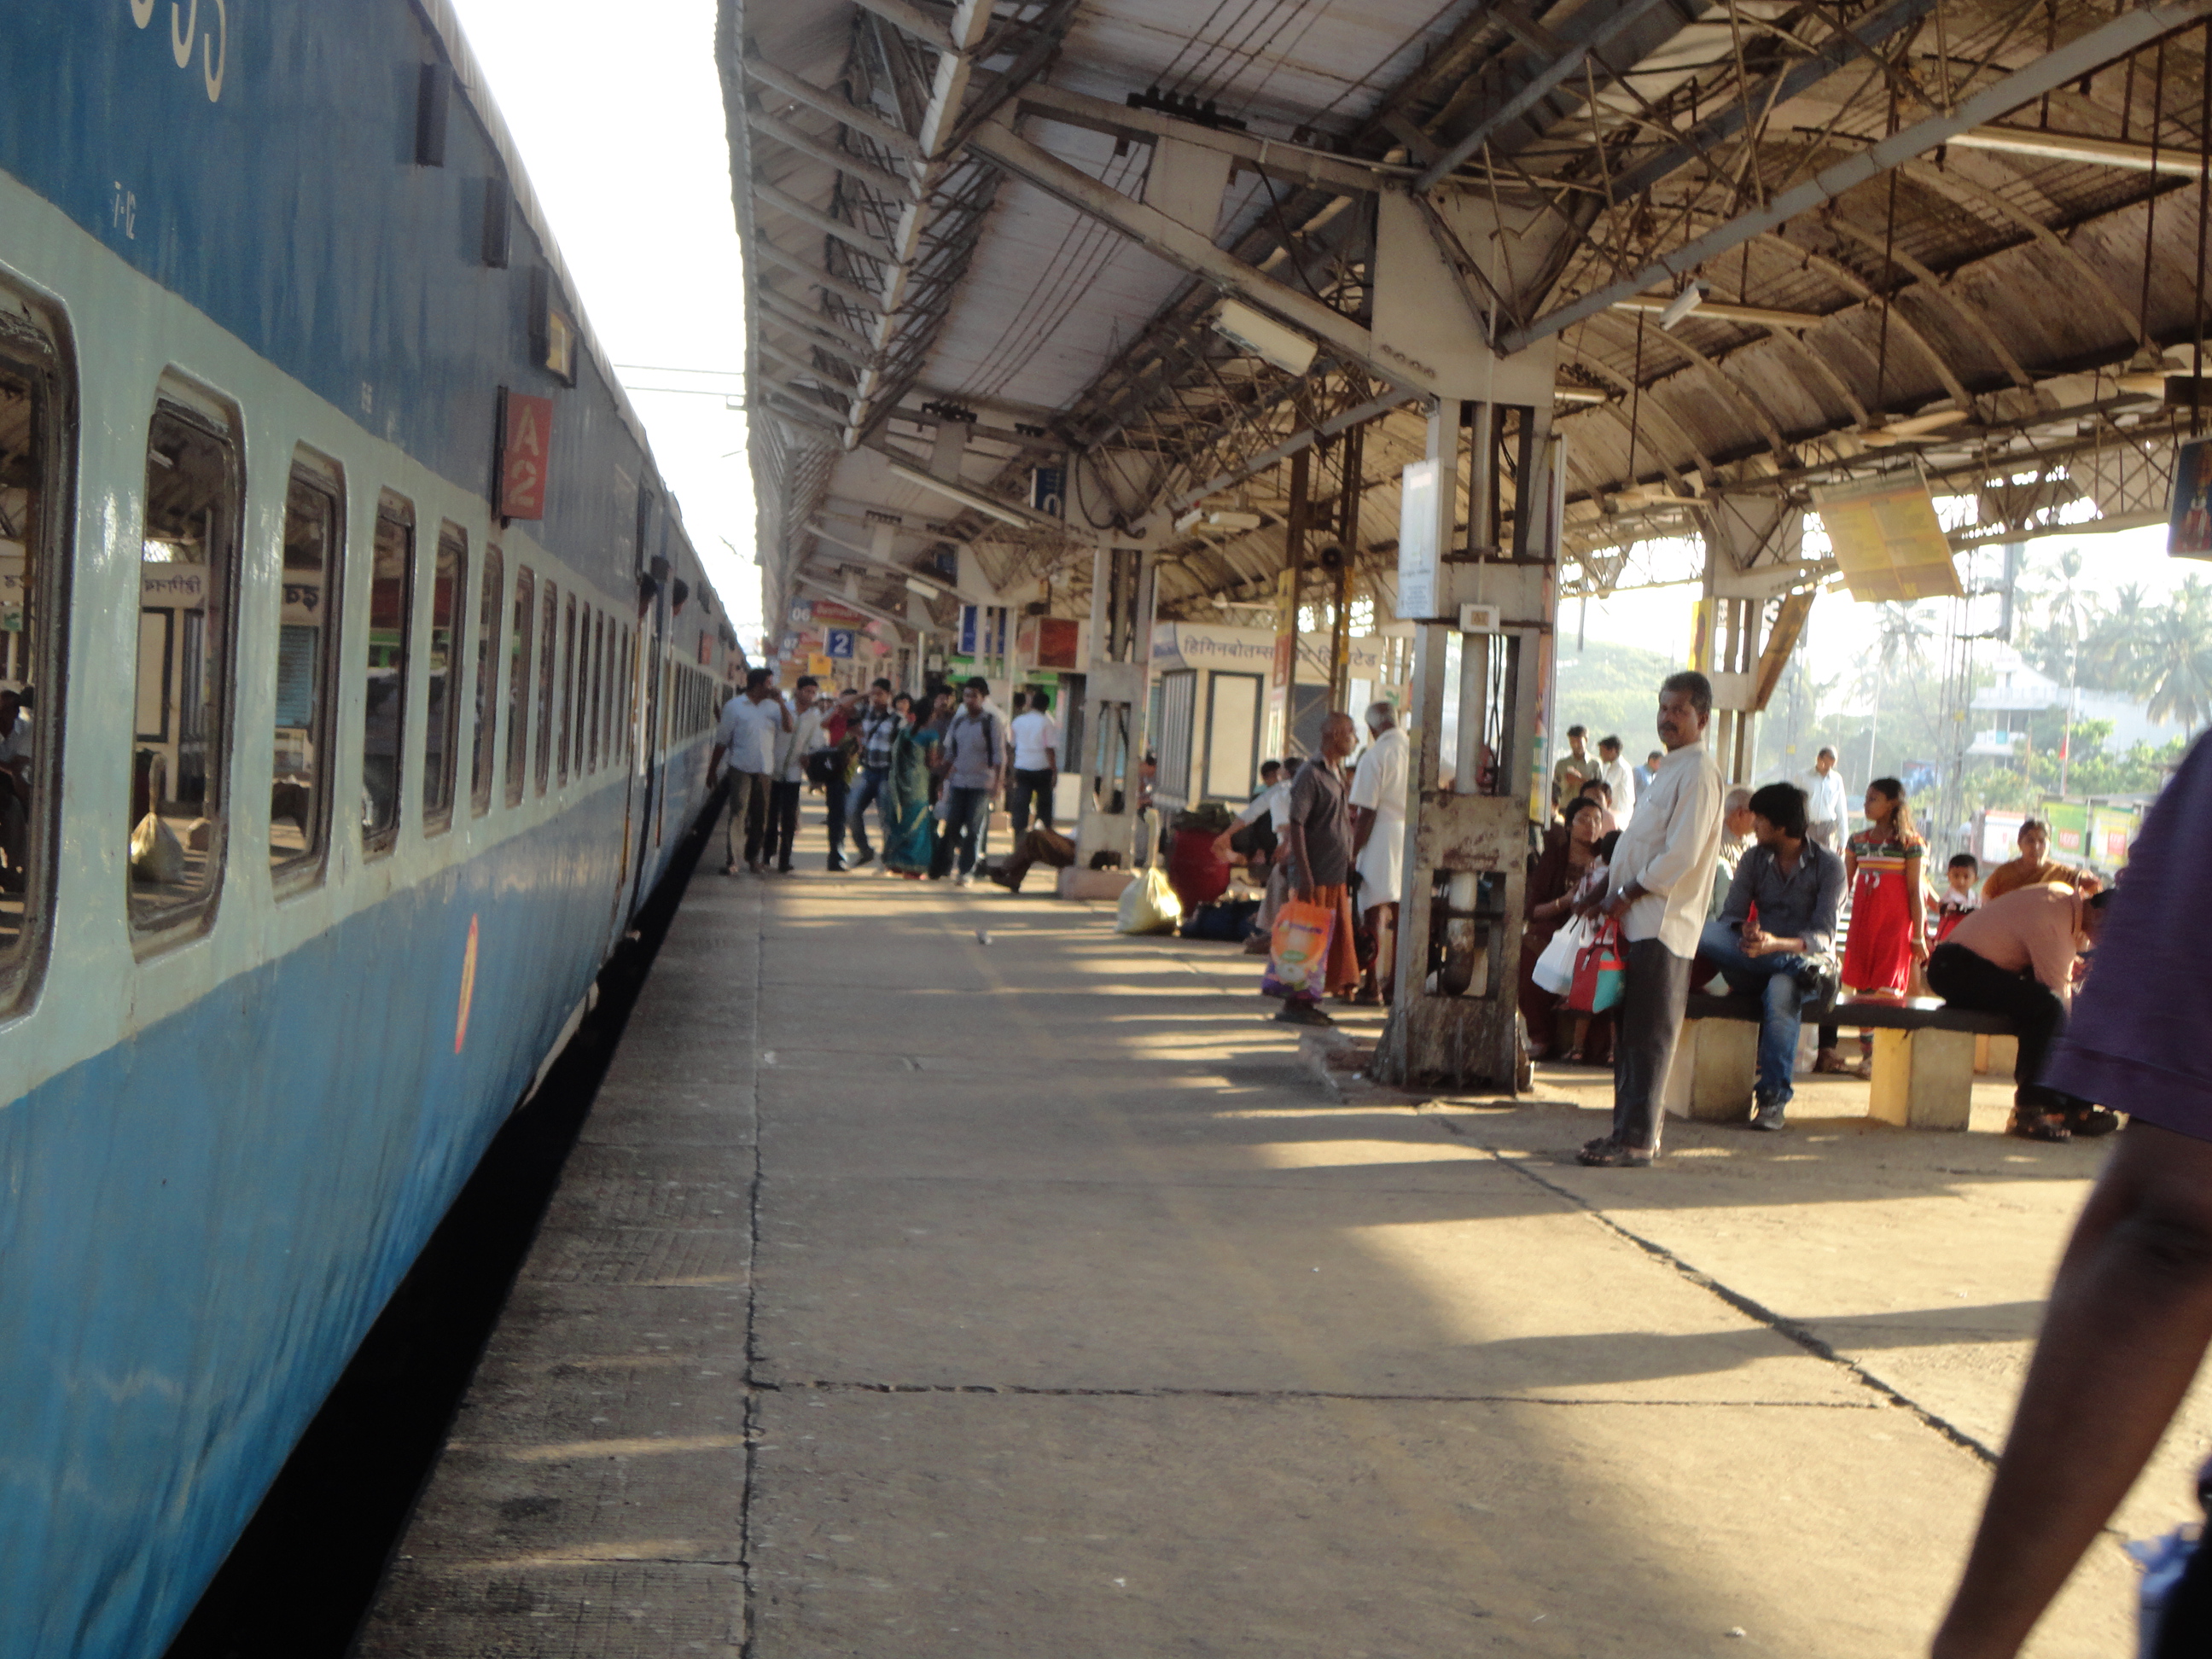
(647, 781)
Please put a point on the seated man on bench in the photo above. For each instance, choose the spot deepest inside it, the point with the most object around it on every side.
(1775, 934)
(2017, 956)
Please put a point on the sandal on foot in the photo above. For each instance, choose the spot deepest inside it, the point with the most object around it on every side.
(1606, 1153)
(2038, 1126)
(2097, 1121)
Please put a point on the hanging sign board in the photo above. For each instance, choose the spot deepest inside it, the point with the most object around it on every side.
(525, 442)
(2188, 521)
(1417, 551)
(1886, 540)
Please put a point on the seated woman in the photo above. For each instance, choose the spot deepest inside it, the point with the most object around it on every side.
(1568, 857)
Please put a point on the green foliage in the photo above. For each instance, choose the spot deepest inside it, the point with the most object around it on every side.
(2160, 653)
(1613, 689)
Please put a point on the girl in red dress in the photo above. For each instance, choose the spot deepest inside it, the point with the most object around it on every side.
(1889, 931)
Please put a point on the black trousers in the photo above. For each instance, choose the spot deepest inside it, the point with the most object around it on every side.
(835, 792)
(1031, 784)
(1648, 1023)
(1966, 981)
(781, 835)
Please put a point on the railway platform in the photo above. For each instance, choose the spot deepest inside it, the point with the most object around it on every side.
(939, 1274)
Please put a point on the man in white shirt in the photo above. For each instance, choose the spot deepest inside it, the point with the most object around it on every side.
(1826, 803)
(793, 743)
(1036, 761)
(751, 723)
(1661, 880)
(1378, 842)
(1619, 778)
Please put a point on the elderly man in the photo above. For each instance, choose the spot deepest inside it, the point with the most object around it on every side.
(2034, 867)
(1661, 874)
(1782, 956)
(1572, 770)
(1619, 777)
(1824, 801)
(1378, 840)
(1318, 840)
(2131, 1315)
(1737, 826)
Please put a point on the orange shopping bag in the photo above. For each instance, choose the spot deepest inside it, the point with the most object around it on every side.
(1298, 957)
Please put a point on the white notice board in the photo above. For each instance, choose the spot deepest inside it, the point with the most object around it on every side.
(1417, 543)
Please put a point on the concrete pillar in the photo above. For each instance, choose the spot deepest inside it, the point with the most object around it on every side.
(1116, 696)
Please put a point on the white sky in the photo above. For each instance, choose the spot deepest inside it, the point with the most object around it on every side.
(1842, 633)
(620, 127)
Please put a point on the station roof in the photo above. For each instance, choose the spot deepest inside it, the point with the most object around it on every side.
(1958, 238)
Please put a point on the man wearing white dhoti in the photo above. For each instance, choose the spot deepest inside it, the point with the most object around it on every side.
(1378, 840)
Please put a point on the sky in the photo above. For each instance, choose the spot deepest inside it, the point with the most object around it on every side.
(1842, 634)
(620, 128)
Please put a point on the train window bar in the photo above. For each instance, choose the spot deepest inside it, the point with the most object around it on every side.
(449, 597)
(187, 634)
(568, 691)
(547, 651)
(386, 644)
(518, 682)
(38, 398)
(483, 751)
(307, 672)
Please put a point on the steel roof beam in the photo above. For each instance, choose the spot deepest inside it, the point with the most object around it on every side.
(814, 275)
(828, 154)
(768, 196)
(1584, 34)
(799, 317)
(901, 14)
(1180, 246)
(1291, 163)
(2087, 53)
(837, 107)
(2067, 147)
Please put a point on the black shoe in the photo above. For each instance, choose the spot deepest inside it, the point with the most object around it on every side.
(836, 865)
(863, 858)
(1818, 980)
(1302, 1013)
(1767, 1116)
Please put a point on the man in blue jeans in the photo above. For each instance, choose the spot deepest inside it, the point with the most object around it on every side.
(877, 729)
(1775, 937)
(974, 759)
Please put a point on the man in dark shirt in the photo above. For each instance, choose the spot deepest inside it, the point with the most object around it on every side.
(1795, 884)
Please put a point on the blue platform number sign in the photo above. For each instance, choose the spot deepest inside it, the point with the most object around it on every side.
(968, 619)
(840, 643)
(1049, 490)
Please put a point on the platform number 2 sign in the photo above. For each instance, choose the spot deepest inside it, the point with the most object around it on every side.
(840, 643)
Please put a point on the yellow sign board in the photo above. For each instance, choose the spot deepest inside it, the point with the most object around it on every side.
(1887, 543)
(819, 666)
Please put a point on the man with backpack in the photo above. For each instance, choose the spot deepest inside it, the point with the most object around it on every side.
(975, 760)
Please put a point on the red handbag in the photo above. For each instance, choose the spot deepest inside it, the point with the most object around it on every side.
(1600, 972)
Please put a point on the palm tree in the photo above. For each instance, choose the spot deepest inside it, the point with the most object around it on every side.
(2113, 654)
(2071, 610)
(1905, 632)
(2177, 662)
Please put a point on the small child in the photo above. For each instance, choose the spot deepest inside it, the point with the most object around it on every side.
(1961, 897)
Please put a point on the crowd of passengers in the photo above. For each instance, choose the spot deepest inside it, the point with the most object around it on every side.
(2014, 942)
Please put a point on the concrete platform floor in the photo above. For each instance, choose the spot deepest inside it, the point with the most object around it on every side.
(942, 1274)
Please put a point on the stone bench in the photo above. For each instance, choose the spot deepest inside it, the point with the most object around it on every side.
(1923, 1058)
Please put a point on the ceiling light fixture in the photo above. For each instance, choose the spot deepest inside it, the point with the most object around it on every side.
(1003, 512)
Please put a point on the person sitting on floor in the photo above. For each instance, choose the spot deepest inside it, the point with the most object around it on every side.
(1773, 938)
(2019, 955)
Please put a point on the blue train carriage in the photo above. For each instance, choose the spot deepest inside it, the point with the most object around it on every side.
(366, 682)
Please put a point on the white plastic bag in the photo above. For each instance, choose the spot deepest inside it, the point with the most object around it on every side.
(1555, 970)
(1149, 905)
(155, 851)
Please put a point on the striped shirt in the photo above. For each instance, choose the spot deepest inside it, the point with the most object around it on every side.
(879, 730)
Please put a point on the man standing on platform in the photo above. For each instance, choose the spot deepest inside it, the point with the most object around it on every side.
(1616, 775)
(1036, 761)
(879, 732)
(1572, 770)
(827, 766)
(793, 746)
(1318, 837)
(752, 723)
(1378, 842)
(1660, 878)
(975, 751)
(1824, 801)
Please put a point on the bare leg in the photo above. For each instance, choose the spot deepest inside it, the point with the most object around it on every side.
(2129, 1321)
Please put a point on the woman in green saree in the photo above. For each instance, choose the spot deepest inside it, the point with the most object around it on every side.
(913, 846)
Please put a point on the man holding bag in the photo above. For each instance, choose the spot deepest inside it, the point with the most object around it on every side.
(1317, 843)
(1660, 882)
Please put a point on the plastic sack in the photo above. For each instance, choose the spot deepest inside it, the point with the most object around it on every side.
(1555, 968)
(1149, 905)
(1600, 972)
(1298, 957)
(156, 854)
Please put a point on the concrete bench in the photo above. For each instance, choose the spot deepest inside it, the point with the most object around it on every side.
(1923, 1058)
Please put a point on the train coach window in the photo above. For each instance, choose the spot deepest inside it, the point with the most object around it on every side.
(384, 718)
(307, 666)
(35, 517)
(187, 585)
(568, 691)
(483, 754)
(449, 594)
(549, 649)
(599, 686)
(518, 681)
